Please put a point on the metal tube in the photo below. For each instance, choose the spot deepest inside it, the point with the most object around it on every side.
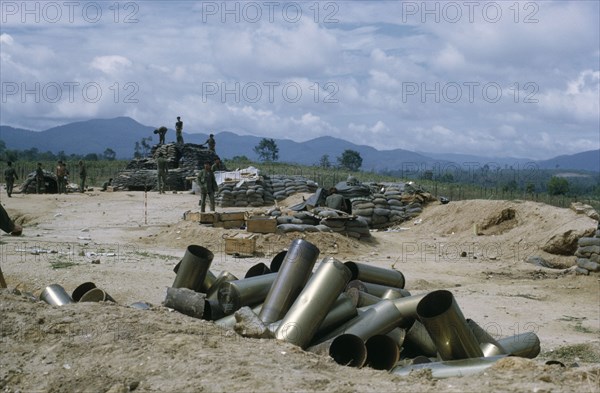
(382, 352)
(212, 310)
(366, 299)
(376, 274)
(525, 345)
(443, 319)
(257, 270)
(224, 276)
(194, 267)
(452, 368)
(81, 290)
(393, 293)
(277, 261)
(346, 349)
(229, 321)
(96, 295)
(234, 295)
(311, 306)
(380, 290)
(55, 295)
(379, 318)
(418, 341)
(208, 282)
(398, 335)
(342, 310)
(488, 344)
(408, 305)
(291, 278)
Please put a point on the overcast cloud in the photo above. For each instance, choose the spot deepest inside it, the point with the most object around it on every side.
(488, 78)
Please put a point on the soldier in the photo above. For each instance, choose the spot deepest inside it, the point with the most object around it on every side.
(61, 177)
(10, 175)
(218, 166)
(106, 184)
(208, 186)
(163, 170)
(82, 176)
(162, 131)
(39, 178)
(211, 143)
(179, 130)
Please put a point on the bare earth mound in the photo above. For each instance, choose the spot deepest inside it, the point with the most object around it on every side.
(129, 251)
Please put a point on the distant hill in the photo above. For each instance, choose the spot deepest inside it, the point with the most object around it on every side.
(121, 133)
(585, 161)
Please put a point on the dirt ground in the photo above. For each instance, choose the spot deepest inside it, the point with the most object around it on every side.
(127, 243)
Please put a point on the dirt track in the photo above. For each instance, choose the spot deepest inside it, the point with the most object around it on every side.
(96, 347)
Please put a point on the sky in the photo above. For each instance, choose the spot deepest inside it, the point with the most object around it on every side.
(504, 78)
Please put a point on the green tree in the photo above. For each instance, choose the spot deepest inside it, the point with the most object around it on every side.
(558, 186)
(109, 154)
(324, 161)
(530, 188)
(267, 150)
(350, 160)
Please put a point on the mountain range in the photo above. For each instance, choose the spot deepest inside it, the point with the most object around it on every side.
(121, 133)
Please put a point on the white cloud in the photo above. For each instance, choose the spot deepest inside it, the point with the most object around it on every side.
(110, 64)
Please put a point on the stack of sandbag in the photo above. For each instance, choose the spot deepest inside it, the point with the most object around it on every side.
(247, 193)
(283, 186)
(321, 219)
(588, 254)
(262, 192)
(393, 206)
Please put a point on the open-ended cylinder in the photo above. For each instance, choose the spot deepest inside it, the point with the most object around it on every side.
(443, 319)
(234, 295)
(310, 308)
(293, 274)
(376, 274)
(193, 268)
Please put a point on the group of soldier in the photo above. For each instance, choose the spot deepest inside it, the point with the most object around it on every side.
(61, 172)
(162, 132)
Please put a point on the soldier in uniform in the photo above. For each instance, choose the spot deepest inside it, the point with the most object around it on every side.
(82, 176)
(39, 178)
(163, 170)
(162, 131)
(218, 166)
(208, 186)
(9, 176)
(179, 130)
(61, 177)
(211, 143)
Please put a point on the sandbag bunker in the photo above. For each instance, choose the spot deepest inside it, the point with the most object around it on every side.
(358, 314)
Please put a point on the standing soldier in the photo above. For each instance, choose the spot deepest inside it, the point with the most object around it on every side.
(39, 178)
(82, 175)
(61, 175)
(211, 143)
(10, 175)
(179, 130)
(208, 186)
(163, 170)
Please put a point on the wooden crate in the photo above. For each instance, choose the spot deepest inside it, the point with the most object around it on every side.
(229, 224)
(240, 244)
(261, 224)
(232, 216)
(208, 218)
(191, 216)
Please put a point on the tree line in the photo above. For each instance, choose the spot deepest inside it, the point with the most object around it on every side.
(34, 154)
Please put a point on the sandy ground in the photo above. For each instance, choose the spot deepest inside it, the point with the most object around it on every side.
(128, 243)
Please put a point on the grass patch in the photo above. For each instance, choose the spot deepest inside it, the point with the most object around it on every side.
(588, 353)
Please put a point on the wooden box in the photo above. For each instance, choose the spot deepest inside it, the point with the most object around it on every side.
(191, 216)
(241, 244)
(237, 224)
(261, 224)
(208, 218)
(232, 216)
